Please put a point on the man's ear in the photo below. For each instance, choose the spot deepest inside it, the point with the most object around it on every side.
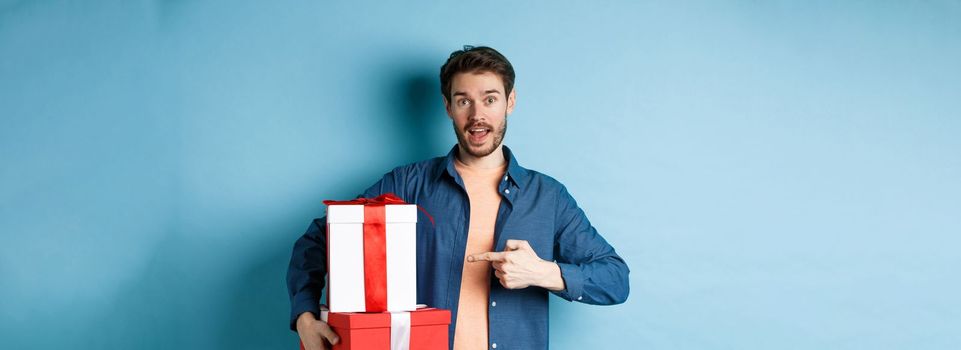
(510, 101)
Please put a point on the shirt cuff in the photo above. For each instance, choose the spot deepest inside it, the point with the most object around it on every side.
(304, 302)
(573, 282)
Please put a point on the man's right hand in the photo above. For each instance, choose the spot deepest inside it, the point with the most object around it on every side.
(314, 333)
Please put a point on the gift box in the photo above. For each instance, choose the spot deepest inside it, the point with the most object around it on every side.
(371, 255)
(422, 329)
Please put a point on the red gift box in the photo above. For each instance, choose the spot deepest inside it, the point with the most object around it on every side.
(427, 329)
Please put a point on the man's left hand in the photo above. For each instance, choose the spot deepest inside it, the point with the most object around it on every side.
(518, 266)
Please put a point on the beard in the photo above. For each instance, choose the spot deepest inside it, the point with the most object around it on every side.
(481, 151)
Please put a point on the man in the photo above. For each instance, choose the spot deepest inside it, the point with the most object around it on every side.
(504, 236)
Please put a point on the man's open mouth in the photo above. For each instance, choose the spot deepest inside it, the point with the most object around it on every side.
(478, 134)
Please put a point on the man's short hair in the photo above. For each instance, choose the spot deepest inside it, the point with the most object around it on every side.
(476, 59)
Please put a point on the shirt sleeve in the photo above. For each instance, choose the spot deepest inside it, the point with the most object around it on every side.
(593, 273)
(305, 274)
(308, 262)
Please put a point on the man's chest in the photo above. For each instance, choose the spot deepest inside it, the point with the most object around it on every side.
(457, 214)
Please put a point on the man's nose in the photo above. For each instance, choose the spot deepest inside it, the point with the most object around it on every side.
(473, 114)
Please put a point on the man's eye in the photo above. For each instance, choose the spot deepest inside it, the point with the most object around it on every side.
(491, 100)
(463, 102)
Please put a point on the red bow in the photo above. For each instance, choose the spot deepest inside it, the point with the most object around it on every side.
(384, 199)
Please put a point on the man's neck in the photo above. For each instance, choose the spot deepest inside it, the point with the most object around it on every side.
(493, 160)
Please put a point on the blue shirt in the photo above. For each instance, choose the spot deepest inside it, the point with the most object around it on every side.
(535, 208)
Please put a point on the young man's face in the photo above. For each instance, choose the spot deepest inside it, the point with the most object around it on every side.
(479, 109)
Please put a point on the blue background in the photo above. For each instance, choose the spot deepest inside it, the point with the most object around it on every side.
(778, 175)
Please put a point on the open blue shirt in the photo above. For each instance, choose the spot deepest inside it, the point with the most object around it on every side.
(535, 208)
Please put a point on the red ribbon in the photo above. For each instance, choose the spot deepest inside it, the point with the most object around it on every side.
(375, 257)
(375, 246)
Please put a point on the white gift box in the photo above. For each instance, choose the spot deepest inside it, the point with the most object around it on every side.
(346, 260)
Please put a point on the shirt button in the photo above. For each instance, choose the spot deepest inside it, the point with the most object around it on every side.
(493, 303)
(494, 345)
(507, 190)
(505, 177)
(579, 298)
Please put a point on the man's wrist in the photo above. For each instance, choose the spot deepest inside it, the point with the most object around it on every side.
(552, 279)
(306, 318)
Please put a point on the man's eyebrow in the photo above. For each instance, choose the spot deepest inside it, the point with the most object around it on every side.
(488, 92)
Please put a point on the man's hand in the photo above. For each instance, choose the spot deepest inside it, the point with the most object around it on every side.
(314, 333)
(518, 266)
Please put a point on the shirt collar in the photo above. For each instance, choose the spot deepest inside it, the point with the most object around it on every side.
(515, 172)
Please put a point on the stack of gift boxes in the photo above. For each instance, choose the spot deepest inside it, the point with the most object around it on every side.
(372, 278)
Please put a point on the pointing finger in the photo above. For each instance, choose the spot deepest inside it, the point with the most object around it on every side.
(488, 256)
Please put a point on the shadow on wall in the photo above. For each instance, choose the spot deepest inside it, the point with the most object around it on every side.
(257, 305)
(258, 301)
(187, 297)
(421, 122)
